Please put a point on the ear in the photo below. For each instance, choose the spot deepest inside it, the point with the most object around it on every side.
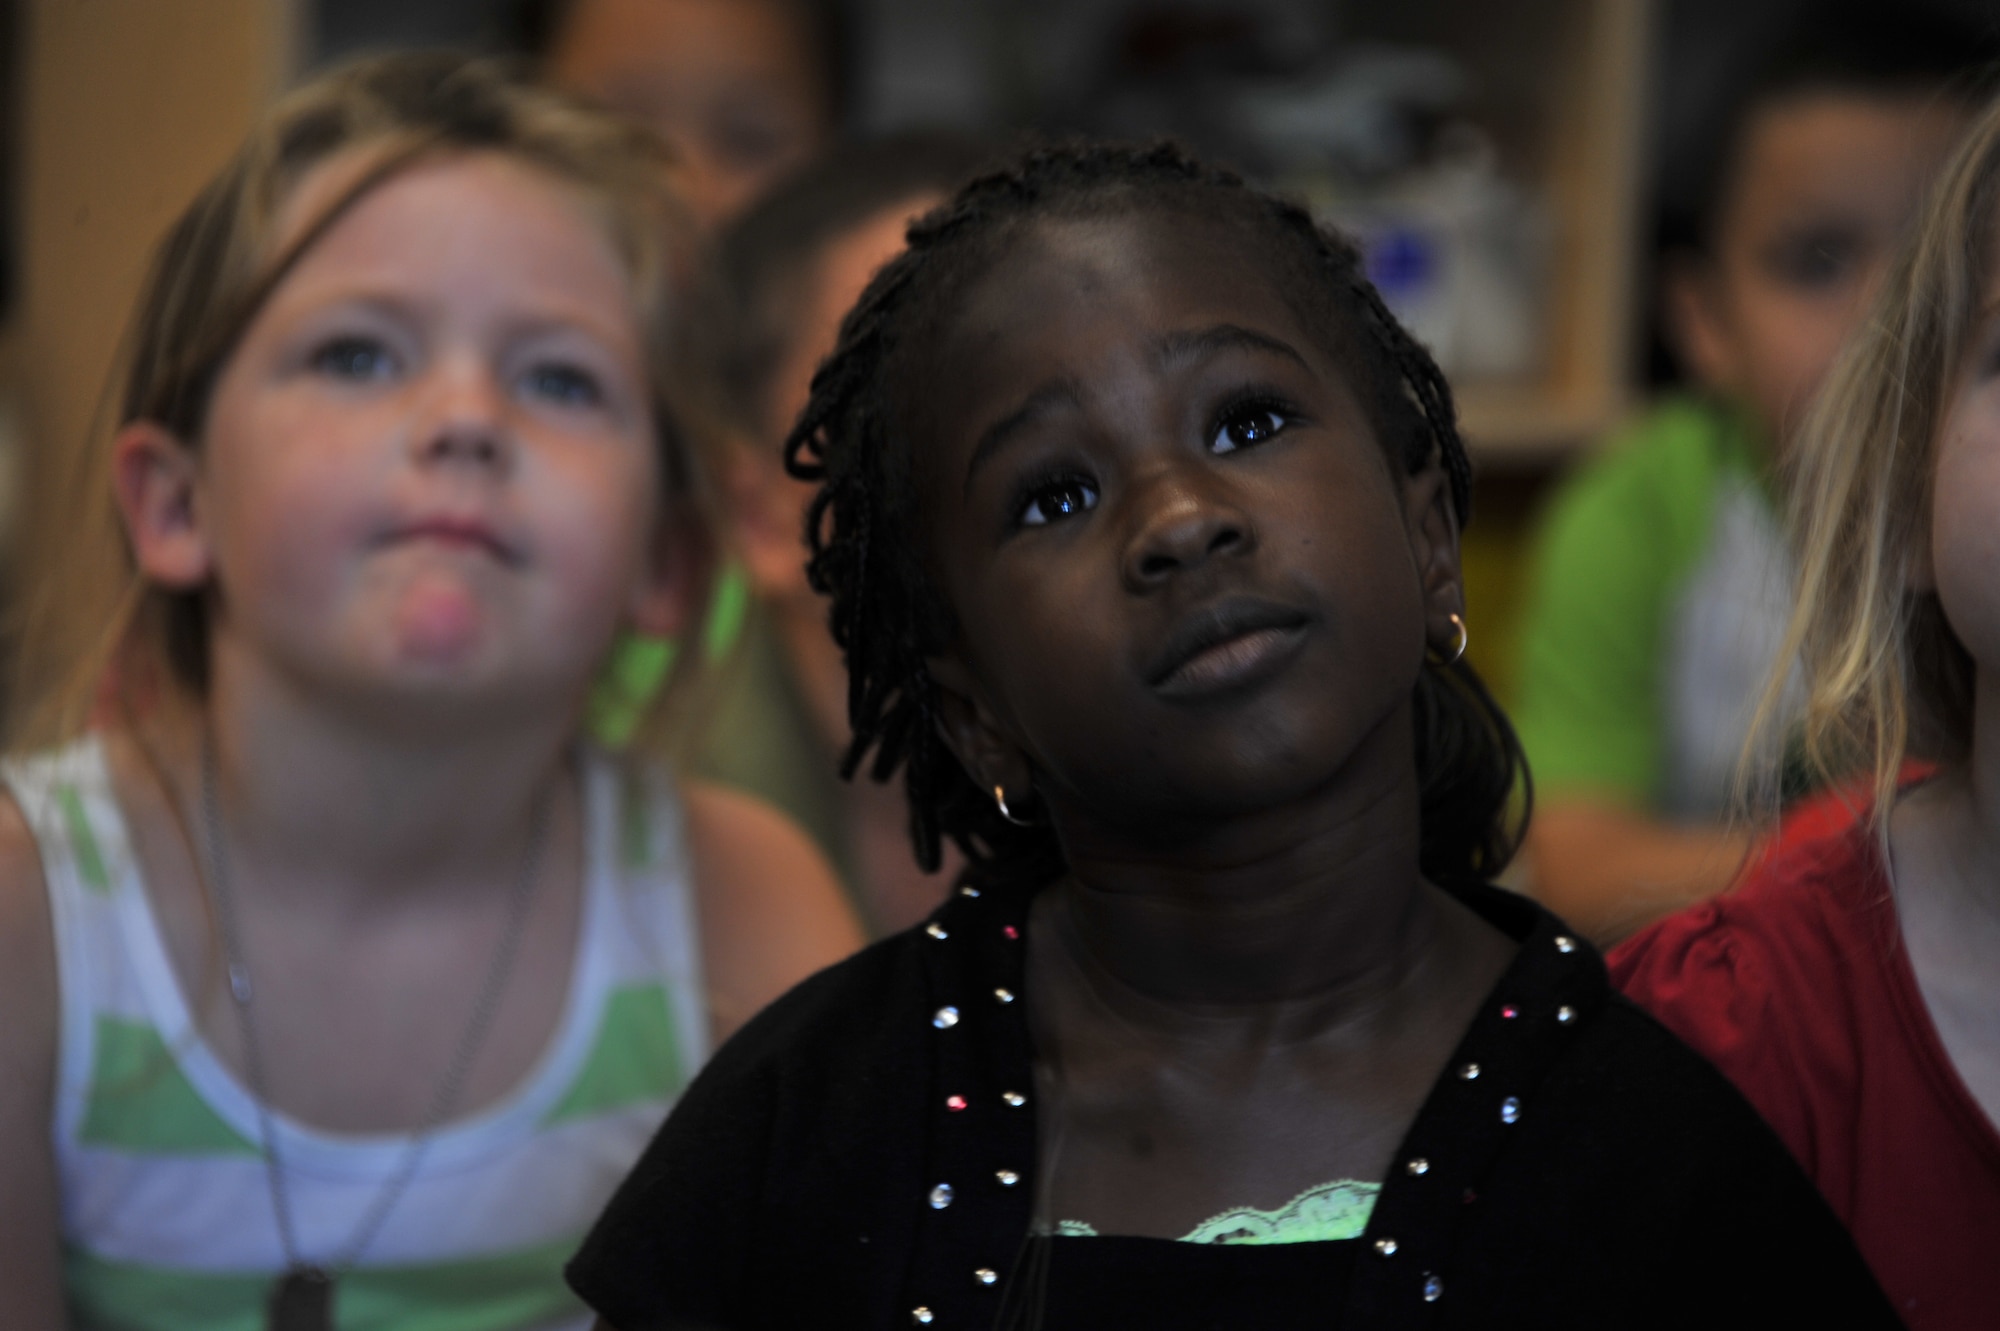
(1697, 325)
(1432, 521)
(971, 731)
(680, 559)
(157, 484)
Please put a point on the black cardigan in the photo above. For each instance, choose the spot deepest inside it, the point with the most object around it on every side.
(860, 1155)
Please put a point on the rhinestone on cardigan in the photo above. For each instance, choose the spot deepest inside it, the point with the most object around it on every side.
(986, 1275)
(921, 1316)
(1565, 1014)
(1470, 1072)
(1564, 943)
(1385, 1247)
(1433, 1288)
(945, 1018)
(1004, 995)
(1418, 1165)
(937, 931)
(1008, 1178)
(954, 1103)
(968, 891)
(1011, 932)
(1510, 1109)
(1014, 1099)
(1510, 1012)
(941, 1196)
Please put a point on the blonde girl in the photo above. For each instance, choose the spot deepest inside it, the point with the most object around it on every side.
(342, 979)
(1851, 986)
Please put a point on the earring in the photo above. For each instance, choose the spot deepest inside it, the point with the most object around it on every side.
(1464, 637)
(1000, 800)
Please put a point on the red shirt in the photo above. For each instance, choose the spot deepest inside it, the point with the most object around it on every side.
(1797, 986)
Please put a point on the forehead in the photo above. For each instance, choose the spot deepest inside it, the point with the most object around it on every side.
(614, 47)
(1865, 157)
(483, 224)
(1061, 294)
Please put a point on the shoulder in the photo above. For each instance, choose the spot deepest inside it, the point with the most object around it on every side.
(1666, 1179)
(1774, 980)
(772, 911)
(27, 939)
(1784, 931)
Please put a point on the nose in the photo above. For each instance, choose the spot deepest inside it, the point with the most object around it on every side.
(464, 421)
(1184, 520)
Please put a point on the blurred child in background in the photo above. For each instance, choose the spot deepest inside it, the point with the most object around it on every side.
(1851, 985)
(787, 272)
(1661, 584)
(342, 979)
(742, 90)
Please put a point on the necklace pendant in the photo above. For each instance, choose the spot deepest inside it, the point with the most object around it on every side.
(302, 1300)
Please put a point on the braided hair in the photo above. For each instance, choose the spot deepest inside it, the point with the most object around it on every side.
(887, 615)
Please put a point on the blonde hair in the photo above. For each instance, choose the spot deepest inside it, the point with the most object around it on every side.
(88, 619)
(1885, 677)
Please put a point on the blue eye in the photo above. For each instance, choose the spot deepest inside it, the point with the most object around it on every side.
(359, 358)
(1247, 426)
(565, 385)
(1056, 500)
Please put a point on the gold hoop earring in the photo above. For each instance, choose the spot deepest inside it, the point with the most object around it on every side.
(1458, 648)
(1000, 801)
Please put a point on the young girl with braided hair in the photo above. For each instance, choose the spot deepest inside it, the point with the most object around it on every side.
(1139, 515)
(343, 980)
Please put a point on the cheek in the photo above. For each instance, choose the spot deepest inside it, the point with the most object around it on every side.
(1965, 529)
(1791, 342)
(597, 510)
(283, 498)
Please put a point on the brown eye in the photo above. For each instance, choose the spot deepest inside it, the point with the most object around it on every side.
(1058, 500)
(1246, 427)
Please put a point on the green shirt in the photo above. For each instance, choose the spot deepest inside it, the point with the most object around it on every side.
(1656, 604)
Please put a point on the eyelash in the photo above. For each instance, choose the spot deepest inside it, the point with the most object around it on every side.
(1252, 402)
(1039, 485)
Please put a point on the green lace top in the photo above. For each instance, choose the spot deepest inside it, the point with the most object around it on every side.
(1336, 1210)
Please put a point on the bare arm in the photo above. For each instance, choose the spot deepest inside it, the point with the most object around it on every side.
(772, 912)
(1610, 870)
(30, 1262)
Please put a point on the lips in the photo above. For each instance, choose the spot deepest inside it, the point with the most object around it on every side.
(1224, 646)
(470, 533)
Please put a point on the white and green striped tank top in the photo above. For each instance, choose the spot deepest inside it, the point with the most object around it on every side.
(166, 1211)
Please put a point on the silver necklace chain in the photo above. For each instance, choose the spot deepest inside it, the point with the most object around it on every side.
(455, 1071)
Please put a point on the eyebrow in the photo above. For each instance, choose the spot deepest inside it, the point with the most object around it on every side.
(1170, 354)
(1177, 351)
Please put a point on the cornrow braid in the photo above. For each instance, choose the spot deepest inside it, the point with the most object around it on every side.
(889, 619)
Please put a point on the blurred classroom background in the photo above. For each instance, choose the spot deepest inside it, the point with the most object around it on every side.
(1507, 165)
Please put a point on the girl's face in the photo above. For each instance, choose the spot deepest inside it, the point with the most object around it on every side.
(1965, 501)
(430, 461)
(1187, 578)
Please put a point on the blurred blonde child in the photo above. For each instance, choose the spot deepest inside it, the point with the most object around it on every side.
(1850, 985)
(343, 979)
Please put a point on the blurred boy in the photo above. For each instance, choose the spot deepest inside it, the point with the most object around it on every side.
(788, 270)
(744, 90)
(1662, 583)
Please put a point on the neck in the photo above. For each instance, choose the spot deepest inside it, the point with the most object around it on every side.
(345, 807)
(1317, 900)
